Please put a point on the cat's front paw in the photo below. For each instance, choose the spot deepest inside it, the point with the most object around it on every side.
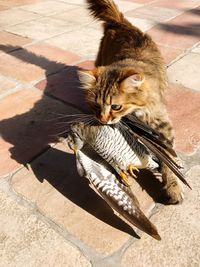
(174, 193)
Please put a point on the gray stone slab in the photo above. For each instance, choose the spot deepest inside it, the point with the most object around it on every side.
(180, 231)
(186, 72)
(25, 240)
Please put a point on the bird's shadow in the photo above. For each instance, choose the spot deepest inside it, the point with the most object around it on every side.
(30, 133)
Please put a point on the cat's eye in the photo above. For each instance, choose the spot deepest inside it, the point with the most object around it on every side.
(116, 107)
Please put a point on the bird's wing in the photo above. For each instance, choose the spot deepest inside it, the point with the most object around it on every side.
(147, 132)
(161, 154)
(119, 197)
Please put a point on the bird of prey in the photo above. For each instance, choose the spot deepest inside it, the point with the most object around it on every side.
(108, 155)
(106, 183)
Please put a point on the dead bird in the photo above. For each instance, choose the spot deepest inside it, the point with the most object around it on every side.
(117, 146)
(126, 150)
(104, 182)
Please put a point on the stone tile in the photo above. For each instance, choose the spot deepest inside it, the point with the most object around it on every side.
(6, 85)
(40, 29)
(2, 7)
(157, 14)
(189, 19)
(8, 39)
(65, 85)
(185, 71)
(125, 6)
(18, 3)
(15, 16)
(174, 36)
(141, 1)
(196, 49)
(28, 241)
(85, 42)
(142, 24)
(183, 106)
(15, 68)
(178, 4)
(88, 65)
(180, 231)
(35, 62)
(169, 53)
(75, 2)
(72, 18)
(67, 199)
(47, 7)
(26, 127)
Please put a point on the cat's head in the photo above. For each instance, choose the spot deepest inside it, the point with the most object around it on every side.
(113, 92)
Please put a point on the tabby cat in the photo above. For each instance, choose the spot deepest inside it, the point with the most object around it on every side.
(129, 77)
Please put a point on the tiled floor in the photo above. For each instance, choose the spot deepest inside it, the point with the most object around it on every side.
(41, 44)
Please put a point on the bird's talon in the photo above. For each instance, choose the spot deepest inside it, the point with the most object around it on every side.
(131, 169)
(124, 178)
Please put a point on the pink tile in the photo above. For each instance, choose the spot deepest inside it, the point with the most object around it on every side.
(153, 13)
(35, 62)
(170, 53)
(177, 4)
(190, 19)
(6, 84)
(65, 86)
(88, 65)
(184, 108)
(7, 40)
(174, 36)
(27, 126)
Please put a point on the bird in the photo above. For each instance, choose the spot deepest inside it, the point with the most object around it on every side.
(109, 155)
(105, 182)
(118, 147)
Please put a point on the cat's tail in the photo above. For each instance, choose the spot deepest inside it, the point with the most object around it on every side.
(106, 10)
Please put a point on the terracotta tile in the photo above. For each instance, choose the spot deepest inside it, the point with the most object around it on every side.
(15, 16)
(157, 14)
(34, 62)
(184, 108)
(17, 3)
(178, 4)
(190, 19)
(13, 67)
(27, 126)
(47, 7)
(169, 53)
(2, 7)
(40, 29)
(65, 86)
(67, 199)
(88, 65)
(174, 36)
(29, 240)
(8, 39)
(6, 84)
(185, 71)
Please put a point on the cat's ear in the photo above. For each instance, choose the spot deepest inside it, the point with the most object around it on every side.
(131, 82)
(87, 77)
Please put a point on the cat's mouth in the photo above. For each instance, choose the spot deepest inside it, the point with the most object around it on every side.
(109, 122)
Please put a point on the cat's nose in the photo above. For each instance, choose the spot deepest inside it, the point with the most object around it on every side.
(104, 119)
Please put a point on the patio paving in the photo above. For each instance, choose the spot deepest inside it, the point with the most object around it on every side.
(48, 214)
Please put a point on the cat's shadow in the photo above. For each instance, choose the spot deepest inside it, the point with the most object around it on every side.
(35, 128)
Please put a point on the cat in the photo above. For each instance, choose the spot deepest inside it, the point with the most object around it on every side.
(129, 77)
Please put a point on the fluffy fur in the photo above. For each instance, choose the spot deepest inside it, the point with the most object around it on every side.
(129, 77)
